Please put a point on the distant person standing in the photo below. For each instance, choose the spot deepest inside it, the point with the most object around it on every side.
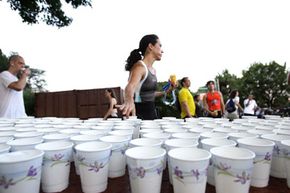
(213, 101)
(11, 88)
(250, 106)
(140, 91)
(233, 112)
(112, 111)
(199, 112)
(186, 99)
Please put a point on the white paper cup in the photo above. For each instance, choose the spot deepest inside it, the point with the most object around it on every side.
(259, 132)
(21, 171)
(56, 137)
(125, 133)
(94, 160)
(262, 163)
(56, 165)
(5, 139)
(7, 133)
(4, 148)
(145, 142)
(78, 139)
(286, 144)
(189, 169)
(145, 169)
(277, 165)
(178, 143)
(186, 135)
(239, 135)
(209, 143)
(32, 134)
(232, 169)
(24, 143)
(213, 135)
(93, 132)
(160, 136)
(144, 131)
(117, 165)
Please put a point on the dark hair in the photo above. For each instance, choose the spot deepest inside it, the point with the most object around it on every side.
(209, 82)
(111, 91)
(137, 54)
(233, 94)
(182, 81)
(196, 96)
(13, 58)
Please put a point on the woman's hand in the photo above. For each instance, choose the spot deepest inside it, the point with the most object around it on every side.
(127, 108)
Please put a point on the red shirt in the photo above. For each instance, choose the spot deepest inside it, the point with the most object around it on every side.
(213, 100)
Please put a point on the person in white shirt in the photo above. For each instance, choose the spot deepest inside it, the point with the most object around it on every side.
(11, 88)
(250, 106)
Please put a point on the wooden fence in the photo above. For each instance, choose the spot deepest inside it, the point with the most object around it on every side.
(75, 103)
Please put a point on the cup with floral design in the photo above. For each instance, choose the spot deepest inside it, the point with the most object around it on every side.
(56, 165)
(20, 171)
(117, 166)
(278, 158)
(233, 168)
(286, 144)
(93, 158)
(209, 143)
(177, 143)
(189, 169)
(145, 165)
(78, 139)
(262, 163)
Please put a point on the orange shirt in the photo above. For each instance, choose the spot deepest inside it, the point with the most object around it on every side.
(213, 100)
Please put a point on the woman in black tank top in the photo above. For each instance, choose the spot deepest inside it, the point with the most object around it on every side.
(140, 91)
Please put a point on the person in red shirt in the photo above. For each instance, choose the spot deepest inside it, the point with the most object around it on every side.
(213, 101)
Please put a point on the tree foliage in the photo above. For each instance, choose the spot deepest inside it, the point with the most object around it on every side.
(267, 82)
(227, 83)
(48, 11)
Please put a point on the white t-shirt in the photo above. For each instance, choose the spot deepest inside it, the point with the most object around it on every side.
(11, 101)
(250, 109)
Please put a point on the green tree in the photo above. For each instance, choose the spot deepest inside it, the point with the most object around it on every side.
(227, 83)
(267, 82)
(3, 61)
(48, 11)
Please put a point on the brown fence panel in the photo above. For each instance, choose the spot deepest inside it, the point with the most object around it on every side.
(77, 103)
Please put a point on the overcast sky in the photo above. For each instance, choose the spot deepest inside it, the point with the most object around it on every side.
(200, 39)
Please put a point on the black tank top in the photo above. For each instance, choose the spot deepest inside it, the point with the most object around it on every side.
(145, 92)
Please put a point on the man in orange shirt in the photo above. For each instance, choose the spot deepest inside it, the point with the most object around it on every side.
(213, 101)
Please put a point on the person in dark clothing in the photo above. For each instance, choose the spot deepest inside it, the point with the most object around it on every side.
(140, 91)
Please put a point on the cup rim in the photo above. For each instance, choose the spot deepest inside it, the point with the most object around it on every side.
(29, 141)
(215, 152)
(121, 138)
(81, 147)
(38, 153)
(245, 141)
(286, 142)
(154, 141)
(207, 141)
(189, 149)
(130, 152)
(61, 145)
